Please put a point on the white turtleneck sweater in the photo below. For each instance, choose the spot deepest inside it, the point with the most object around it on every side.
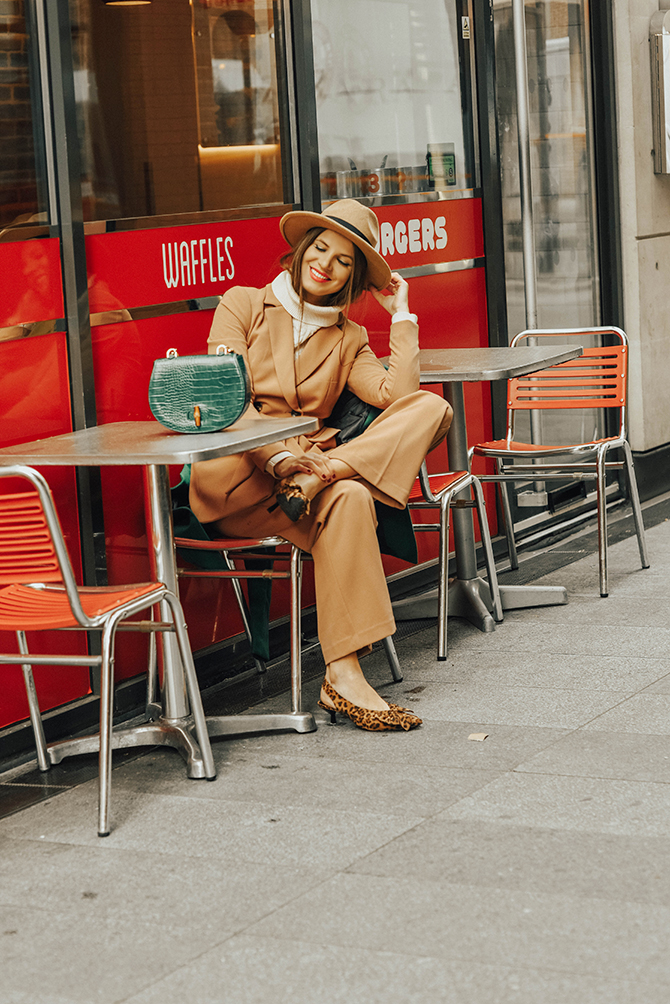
(307, 319)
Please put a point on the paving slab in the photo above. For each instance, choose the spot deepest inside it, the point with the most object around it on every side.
(534, 636)
(104, 884)
(253, 970)
(630, 808)
(487, 853)
(443, 744)
(604, 938)
(644, 713)
(300, 781)
(661, 686)
(536, 706)
(523, 669)
(236, 832)
(591, 753)
(60, 955)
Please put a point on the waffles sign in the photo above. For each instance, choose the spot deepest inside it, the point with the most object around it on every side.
(192, 263)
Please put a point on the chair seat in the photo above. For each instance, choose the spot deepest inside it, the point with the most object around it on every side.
(438, 483)
(229, 543)
(503, 447)
(27, 609)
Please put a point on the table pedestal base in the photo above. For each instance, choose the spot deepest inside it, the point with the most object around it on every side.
(239, 725)
(517, 597)
(180, 734)
(470, 598)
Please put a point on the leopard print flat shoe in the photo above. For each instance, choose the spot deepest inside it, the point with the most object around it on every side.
(364, 718)
(408, 715)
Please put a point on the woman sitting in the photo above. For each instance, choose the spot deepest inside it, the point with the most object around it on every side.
(301, 353)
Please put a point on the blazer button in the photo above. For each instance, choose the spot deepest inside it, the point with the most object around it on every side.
(258, 406)
(295, 414)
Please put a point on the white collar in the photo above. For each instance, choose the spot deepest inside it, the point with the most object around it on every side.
(307, 314)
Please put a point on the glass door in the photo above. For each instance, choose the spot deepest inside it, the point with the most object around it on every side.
(564, 209)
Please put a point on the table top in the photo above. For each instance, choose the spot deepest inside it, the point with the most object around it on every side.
(457, 365)
(133, 443)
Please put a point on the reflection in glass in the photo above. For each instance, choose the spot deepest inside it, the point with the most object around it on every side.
(562, 163)
(20, 201)
(238, 113)
(177, 106)
(563, 189)
(389, 97)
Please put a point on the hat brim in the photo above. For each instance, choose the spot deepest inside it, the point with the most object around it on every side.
(294, 226)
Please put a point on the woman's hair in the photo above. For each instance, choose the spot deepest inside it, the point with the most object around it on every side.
(355, 285)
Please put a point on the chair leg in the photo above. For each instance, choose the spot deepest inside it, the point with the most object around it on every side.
(192, 688)
(106, 717)
(244, 612)
(507, 514)
(488, 550)
(443, 580)
(296, 630)
(601, 494)
(635, 503)
(153, 689)
(43, 761)
(393, 660)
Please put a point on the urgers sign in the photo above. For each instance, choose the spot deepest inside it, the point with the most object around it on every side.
(416, 235)
(426, 233)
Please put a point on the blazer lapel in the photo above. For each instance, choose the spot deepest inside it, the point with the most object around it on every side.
(280, 324)
(317, 349)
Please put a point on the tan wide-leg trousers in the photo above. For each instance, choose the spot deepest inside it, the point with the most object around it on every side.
(352, 600)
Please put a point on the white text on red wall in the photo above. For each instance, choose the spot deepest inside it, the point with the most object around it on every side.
(192, 263)
(415, 235)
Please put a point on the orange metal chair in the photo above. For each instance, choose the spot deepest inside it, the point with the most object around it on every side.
(597, 379)
(38, 592)
(438, 490)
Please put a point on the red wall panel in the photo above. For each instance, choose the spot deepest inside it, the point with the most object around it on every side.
(34, 391)
(30, 281)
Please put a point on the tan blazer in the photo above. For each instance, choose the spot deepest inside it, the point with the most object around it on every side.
(253, 323)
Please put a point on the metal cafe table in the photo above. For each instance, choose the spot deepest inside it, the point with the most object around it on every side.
(469, 594)
(153, 447)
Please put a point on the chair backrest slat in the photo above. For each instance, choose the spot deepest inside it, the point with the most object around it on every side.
(597, 379)
(26, 551)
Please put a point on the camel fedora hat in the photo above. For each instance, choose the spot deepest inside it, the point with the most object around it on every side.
(352, 220)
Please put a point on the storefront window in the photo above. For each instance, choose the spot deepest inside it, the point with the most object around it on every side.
(562, 169)
(562, 162)
(388, 88)
(178, 107)
(20, 198)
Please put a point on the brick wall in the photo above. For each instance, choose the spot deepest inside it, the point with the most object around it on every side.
(18, 188)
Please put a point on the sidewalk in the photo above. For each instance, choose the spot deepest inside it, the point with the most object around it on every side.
(532, 867)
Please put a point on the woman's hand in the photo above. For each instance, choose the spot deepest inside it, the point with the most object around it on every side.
(396, 295)
(313, 462)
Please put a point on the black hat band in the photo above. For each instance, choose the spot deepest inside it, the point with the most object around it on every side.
(351, 227)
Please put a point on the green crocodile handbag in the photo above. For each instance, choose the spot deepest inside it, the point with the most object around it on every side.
(199, 393)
